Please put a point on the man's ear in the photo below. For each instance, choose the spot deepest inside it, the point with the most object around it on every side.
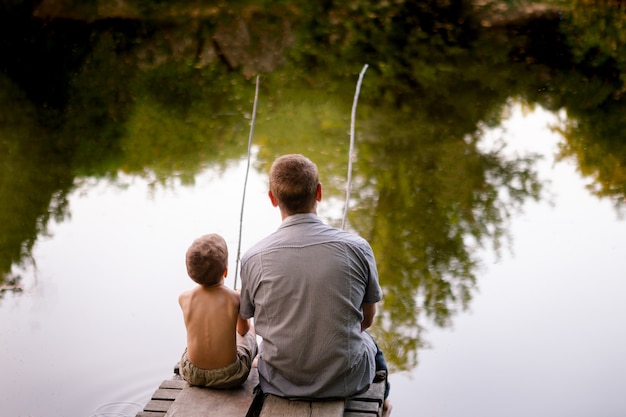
(318, 193)
(272, 199)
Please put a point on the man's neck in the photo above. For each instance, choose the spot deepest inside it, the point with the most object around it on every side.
(284, 214)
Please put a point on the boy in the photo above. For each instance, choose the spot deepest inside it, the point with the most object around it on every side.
(221, 345)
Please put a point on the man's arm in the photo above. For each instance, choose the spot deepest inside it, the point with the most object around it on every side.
(243, 325)
(369, 311)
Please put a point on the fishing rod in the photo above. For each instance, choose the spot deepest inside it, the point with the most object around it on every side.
(351, 151)
(245, 182)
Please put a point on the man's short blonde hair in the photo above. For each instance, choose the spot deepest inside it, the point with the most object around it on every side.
(207, 259)
(293, 182)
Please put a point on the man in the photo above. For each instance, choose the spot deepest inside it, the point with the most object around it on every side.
(312, 290)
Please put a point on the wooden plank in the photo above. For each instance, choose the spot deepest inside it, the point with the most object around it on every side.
(150, 414)
(327, 409)
(175, 398)
(158, 405)
(281, 407)
(165, 394)
(368, 404)
(363, 406)
(173, 384)
(207, 402)
(376, 392)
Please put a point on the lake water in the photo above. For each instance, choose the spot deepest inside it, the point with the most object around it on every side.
(98, 327)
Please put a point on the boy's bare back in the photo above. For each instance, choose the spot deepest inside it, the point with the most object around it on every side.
(211, 314)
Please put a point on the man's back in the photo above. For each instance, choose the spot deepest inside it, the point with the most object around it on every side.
(305, 285)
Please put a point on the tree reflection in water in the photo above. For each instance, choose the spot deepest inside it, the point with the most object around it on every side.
(431, 198)
(165, 91)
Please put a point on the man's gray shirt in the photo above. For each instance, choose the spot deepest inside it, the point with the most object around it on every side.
(304, 285)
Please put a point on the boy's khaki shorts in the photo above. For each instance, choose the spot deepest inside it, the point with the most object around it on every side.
(230, 376)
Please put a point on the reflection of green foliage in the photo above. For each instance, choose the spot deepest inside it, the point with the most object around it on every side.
(596, 34)
(429, 198)
(151, 95)
(423, 192)
(34, 181)
(186, 118)
(595, 139)
(594, 131)
(311, 121)
(106, 120)
(164, 145)
(97, 108)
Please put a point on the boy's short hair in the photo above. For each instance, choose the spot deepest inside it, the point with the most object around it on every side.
(293, 182)
(207, 259)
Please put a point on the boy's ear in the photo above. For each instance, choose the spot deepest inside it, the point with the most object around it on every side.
(225, 272)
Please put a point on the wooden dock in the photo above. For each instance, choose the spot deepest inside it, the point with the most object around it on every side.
(163, 397)
(176, 398)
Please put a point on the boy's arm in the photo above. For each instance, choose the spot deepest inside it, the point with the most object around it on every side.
(369, 311)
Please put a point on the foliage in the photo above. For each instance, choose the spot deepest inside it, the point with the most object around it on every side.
(594, 132)
(428, 199)
(164, 89)
(595, 139)
(27, 164)
(596, 35)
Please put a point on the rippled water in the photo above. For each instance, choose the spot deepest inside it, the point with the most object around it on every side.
(98, 327)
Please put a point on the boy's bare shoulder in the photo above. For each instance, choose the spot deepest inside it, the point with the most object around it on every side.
(199, 293)
(231, 293)
(236, 291)
(184, 299)
(184, 295)
(187, 296)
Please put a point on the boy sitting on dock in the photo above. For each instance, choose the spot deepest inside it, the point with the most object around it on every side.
(221, 345)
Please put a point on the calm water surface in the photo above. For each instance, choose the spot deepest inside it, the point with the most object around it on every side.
(98, 327)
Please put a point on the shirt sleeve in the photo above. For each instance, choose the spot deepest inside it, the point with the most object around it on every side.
(373, 292)
(246, 303)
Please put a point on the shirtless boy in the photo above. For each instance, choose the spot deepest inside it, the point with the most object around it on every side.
(221, 345)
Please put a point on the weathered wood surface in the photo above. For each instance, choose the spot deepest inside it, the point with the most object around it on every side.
(279, 407)
(207, 402)
(368, 404)
(163, 398)
(176, 398)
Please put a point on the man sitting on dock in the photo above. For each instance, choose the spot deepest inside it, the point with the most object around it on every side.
(312, 290)
(220, 344)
